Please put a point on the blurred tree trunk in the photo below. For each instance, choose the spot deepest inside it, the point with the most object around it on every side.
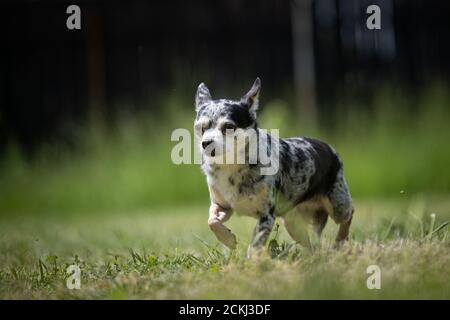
(304, 69)
(96, 68)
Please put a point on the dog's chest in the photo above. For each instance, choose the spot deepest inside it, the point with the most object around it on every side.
(227, 190)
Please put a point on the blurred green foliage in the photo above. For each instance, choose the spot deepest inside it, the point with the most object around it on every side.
(399, 146)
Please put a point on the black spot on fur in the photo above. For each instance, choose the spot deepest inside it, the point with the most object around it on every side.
(231, 180)
(263, 218)
(238, 114)
(259, 178)
(271, 209)
(327, 166)
(278, 184)
(285, 159)
(200, 111)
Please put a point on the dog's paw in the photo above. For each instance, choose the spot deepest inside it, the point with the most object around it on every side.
(230, 241)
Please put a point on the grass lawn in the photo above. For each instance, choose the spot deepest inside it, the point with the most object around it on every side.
(170, 253)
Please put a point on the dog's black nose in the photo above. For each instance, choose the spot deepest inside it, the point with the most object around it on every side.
(206, 143)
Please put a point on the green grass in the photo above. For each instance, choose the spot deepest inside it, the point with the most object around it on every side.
(170, 253)
(135, 223)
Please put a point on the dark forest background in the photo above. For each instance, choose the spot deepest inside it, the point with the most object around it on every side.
(139, 53)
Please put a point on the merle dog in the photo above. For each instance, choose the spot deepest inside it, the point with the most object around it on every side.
(308, 186)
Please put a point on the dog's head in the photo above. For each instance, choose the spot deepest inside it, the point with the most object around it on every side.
(219, 122)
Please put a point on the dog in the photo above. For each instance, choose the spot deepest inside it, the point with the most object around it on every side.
(308, 186)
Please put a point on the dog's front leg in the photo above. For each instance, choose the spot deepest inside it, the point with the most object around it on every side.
(217, 216)
(261, 233)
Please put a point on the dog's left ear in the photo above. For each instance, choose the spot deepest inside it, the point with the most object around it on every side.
(251, 98)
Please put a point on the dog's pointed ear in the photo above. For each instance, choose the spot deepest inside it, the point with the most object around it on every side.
(202, 96)
(251, 98)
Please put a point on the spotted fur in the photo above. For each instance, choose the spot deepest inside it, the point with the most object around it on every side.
(308, 187)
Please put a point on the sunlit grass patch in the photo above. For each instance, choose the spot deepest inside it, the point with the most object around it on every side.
(170, 253)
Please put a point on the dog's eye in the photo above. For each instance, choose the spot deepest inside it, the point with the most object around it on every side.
(228, 126)
(205, 127)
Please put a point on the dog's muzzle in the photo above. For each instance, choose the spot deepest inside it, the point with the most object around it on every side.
(211, 151)
(206, 143)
